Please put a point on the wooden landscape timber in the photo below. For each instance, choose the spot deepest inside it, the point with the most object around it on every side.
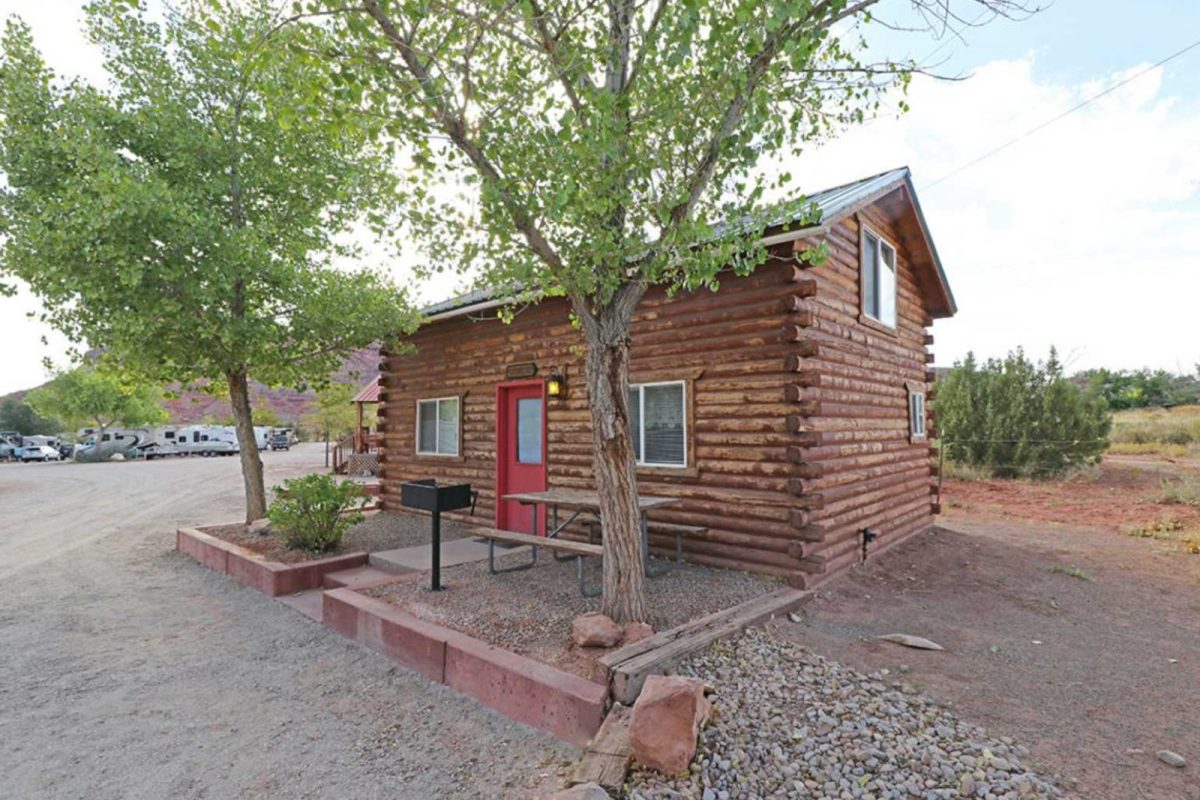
(629, 666)
(797, 405)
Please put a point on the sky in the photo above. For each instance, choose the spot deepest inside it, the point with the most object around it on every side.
(1084, 235)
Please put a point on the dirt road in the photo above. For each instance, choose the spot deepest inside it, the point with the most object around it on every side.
(1079, 642)
(129, 671)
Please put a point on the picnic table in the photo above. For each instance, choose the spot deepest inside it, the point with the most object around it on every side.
(578, 503)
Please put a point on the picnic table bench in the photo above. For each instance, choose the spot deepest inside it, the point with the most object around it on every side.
(574, 550)
(578, 503)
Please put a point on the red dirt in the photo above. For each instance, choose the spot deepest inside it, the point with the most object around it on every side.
(1094, 672)
(1122, 494)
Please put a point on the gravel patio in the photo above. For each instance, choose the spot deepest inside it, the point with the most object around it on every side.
(530, 612)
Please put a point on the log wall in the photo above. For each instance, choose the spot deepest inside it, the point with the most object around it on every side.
(798, 428)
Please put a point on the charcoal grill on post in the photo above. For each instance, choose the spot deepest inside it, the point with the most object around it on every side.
(429, 496)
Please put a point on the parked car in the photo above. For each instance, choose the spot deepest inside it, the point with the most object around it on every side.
(66, 451)
(281, 441)
(40, 452)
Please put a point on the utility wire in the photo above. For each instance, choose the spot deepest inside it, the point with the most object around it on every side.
(1066, 113)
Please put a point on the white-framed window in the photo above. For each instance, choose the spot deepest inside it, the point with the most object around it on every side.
(658, 418)
(878, 278)
(437, 426)
(916, 414)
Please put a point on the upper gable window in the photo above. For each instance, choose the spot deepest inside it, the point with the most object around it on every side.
(878, 279)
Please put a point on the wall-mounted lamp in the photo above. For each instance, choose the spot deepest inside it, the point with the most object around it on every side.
(555, 386)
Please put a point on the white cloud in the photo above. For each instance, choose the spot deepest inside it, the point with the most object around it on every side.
(1082, 235)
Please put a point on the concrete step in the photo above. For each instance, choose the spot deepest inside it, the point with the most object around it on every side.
(308, 603)
(419, 557)
(358, 577)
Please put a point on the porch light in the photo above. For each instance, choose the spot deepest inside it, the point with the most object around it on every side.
(555, 385)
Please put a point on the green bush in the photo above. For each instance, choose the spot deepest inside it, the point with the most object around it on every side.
(310, 512)
(1017, 418)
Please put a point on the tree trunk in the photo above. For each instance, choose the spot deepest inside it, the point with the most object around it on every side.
(252, 470)
(606, 334)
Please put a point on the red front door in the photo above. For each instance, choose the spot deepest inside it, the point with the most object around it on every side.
(520, 453)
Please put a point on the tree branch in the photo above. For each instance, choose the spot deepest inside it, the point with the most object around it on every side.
(456, 128)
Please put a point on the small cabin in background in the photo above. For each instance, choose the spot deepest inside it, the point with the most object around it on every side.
(787, 410)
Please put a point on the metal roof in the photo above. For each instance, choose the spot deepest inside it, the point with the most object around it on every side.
(831, 204)
(368, 394)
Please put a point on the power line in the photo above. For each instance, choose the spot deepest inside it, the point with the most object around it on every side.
(1066, 113)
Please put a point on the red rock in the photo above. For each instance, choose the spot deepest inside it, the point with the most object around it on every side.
(636, 631)
(665, 722)
(595, 630)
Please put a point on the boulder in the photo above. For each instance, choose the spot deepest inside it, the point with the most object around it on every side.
(665, 722)
(1171, 758)
(595, 630)
(581, 791)
(636, 631)
(261, 526)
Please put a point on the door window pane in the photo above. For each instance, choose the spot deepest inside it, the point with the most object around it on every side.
(529, 430)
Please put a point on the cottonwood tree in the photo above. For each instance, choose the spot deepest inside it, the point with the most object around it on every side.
(607, 141)
(99, 396)
(186, 217)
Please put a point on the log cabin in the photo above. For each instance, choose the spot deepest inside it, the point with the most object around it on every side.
(786, 411)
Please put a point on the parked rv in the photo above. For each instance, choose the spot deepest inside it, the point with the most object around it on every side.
(114, 441)
(207, 440)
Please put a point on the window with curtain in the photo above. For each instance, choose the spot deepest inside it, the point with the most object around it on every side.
(878, 279)
(437, 426)
(658, 419)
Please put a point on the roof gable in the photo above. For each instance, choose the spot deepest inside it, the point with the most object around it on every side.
(893, 190)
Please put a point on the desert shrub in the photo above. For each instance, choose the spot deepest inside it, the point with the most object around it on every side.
(1017, 418)
(309, 512)
(1182, 491)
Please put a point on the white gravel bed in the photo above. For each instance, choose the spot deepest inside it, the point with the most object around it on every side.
(788, 723)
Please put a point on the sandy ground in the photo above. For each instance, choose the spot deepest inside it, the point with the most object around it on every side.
(1082, 643)
(131, 672)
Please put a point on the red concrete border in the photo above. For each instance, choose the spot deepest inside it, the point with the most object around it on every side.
(269, 577)
(566, 705)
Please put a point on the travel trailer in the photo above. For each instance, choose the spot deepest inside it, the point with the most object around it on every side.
(128, 442)
(208, 440)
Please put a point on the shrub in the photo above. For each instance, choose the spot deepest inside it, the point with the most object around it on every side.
(1017, 418)
(309, 512)
(1183, 491)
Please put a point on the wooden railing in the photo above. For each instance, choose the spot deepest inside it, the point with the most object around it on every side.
(344, 448)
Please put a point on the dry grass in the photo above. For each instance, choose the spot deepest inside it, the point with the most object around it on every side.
(1183, 490)
(1174, 432)
(1171, 531)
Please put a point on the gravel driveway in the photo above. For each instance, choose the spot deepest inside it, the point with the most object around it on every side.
(129, 671)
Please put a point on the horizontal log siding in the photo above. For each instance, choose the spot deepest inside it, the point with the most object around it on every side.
(799, 411)
(728, 344)
(862, 464)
